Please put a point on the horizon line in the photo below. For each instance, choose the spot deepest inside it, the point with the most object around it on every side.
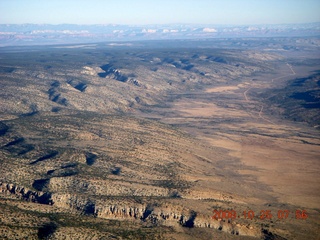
(160, 24)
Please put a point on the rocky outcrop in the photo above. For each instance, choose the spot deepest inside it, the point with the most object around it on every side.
(25, 194)
(114, 73)
(111, 72)
(79, 85)
(55, 95)
(167, 215)
(162, 214)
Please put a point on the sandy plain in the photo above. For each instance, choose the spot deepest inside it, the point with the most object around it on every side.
(278, 156)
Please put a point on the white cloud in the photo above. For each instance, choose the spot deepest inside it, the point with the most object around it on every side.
(149, 30)
(118, 31)
(209, 30)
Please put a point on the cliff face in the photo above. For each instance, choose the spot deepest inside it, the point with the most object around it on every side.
(163, 214)
(20, 192)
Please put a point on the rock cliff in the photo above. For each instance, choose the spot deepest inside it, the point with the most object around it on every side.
(155, 214)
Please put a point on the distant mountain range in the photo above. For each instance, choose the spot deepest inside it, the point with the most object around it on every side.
(40, 34)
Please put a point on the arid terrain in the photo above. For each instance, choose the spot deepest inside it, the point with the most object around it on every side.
(149, 140)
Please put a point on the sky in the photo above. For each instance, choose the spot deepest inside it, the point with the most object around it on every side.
(143, 12)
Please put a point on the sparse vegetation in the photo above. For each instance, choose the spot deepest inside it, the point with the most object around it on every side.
(139, 143)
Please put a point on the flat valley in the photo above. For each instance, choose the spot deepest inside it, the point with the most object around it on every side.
(150, 139)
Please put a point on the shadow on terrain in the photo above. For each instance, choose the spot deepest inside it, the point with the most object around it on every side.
(190, 222)
(46, 157)
(18, 147)
(14, 142)
(40, 184)
(3, 129)
(91, 158)
(46, 230)
(116, 170)
(89, 209)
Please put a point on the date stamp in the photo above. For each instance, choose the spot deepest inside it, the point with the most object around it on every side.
(263, 214)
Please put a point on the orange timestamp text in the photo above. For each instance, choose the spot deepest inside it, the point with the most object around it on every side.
(263, 215)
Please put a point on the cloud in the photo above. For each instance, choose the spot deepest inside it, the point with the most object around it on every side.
(149, 30)
(209, 30)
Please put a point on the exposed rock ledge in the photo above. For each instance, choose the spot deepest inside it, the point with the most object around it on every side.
(26, 194)
(166, 214)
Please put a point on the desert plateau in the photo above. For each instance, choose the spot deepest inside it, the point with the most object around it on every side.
(161, 139)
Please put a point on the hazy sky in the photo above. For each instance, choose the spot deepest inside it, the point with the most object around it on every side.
(159, 11)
